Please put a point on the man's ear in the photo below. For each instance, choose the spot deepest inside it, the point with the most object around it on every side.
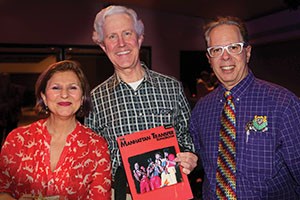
(102, 45)
(140, 40)
(208, 57)
(248, 52)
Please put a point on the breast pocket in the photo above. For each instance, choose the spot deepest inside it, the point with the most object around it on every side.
(162, 116)
(259, 154)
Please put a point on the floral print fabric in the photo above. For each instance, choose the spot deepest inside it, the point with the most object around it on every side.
(82, 172)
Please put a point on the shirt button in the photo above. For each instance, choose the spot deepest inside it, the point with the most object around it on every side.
(135, 93)
(140, 113)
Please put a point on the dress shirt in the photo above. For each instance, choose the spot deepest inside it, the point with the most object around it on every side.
(83, 170)
(268, 154)
(119, 110)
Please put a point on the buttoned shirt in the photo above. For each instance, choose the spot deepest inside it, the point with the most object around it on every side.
(82, 172)
(119, 110)
(267, 143)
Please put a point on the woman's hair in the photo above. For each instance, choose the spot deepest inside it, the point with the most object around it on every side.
(63, 66)
(229, 20)
(98, 34)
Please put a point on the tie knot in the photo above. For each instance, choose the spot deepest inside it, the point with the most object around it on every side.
(228, 95)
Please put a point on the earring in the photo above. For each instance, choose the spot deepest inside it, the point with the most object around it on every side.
(81, 109)
(46, 110)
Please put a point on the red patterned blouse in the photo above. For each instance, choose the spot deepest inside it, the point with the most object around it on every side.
(82, 172)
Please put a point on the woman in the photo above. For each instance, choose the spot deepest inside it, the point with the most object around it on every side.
(57, 157)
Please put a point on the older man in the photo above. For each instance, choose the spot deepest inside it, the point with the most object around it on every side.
(135, 98)
(253, 153)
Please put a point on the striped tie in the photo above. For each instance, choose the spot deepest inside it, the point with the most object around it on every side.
(226, 170)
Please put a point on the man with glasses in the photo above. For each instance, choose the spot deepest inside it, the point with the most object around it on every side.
(256, 155)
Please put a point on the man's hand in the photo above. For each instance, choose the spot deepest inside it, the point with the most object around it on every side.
(187, 160)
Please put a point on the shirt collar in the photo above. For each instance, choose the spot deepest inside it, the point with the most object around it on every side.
(241, 88)
(116, 80)
(149, 77)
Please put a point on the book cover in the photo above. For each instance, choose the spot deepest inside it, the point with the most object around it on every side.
(148, 158)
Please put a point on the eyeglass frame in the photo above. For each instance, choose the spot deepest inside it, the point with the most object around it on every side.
(242, 44)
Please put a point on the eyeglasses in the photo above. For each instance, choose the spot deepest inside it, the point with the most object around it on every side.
(234, 49)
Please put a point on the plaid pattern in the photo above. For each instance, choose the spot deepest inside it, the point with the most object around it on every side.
(120, 110)
(267, 162)
(226, 170)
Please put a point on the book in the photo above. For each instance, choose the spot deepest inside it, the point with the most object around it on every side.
(148, 158)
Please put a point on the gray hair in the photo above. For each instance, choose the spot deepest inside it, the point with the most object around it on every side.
(98, 35)
(229, 20)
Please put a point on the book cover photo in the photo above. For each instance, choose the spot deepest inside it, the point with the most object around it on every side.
(148, 158)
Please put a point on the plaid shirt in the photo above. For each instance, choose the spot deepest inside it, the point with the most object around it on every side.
(120, 110)
(268, 139)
